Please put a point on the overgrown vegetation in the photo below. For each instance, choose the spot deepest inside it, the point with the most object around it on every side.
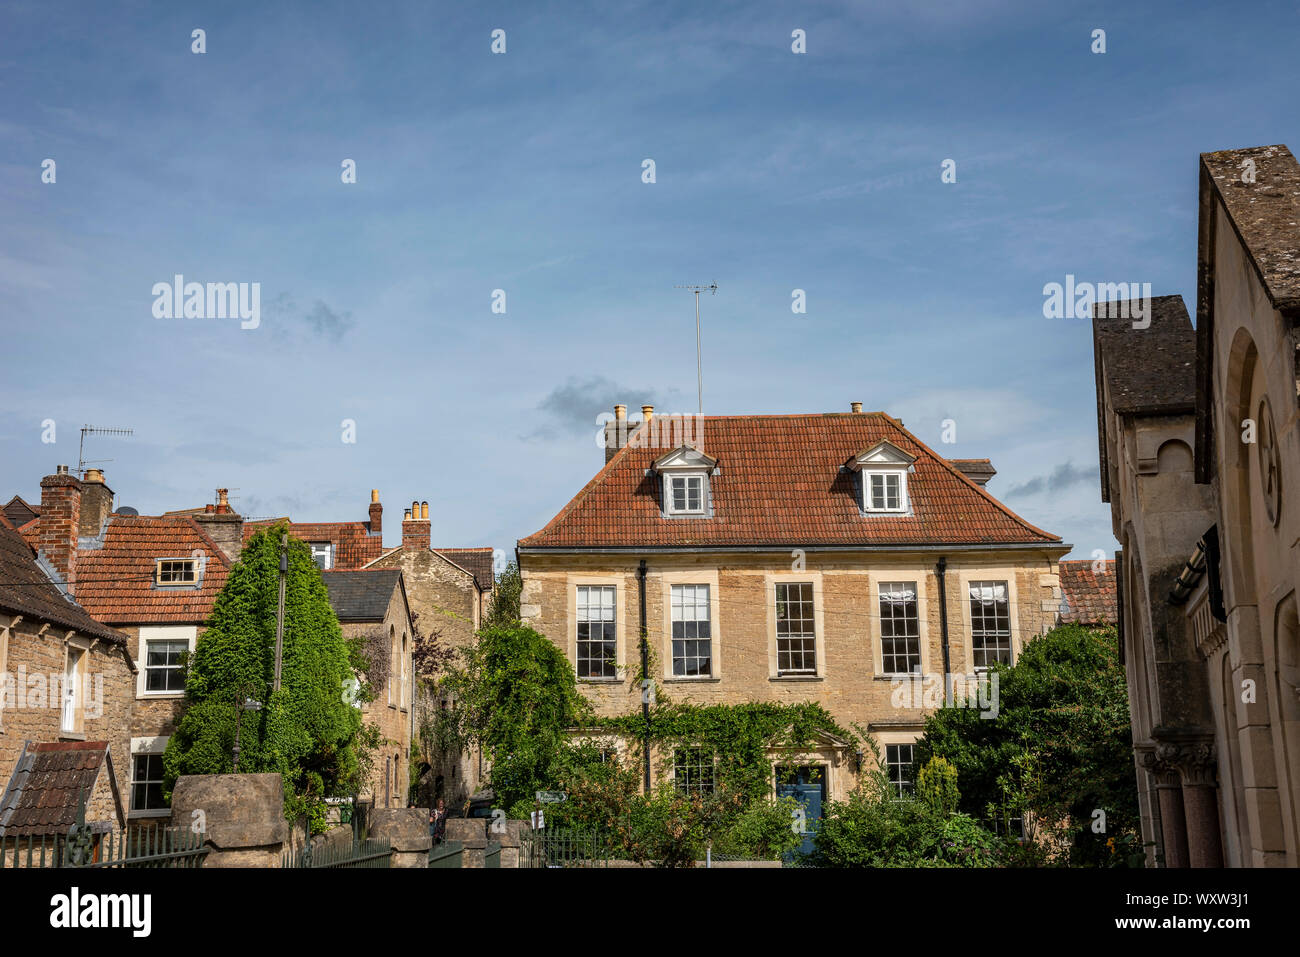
(1059, 751)
(306, 731)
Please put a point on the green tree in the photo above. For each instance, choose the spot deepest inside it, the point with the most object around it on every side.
(503, 606)
(306, 731)
(1059, 749)
(936, 785)
(514, 695)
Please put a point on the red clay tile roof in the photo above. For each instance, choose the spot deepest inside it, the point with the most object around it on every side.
(45, 789)
(1089, 597)
(354, 546)
(26, 590)
(476, 561)
(781, 482)
(115, 581)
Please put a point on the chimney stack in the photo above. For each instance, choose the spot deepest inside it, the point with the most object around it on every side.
(416, 527)
(96, 503)
(647, 414)
(60, 523)
(223, 525)
(376, 514)
(616, 432)
(855, 407)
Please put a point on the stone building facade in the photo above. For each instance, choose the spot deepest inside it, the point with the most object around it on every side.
(67, 683)
(826, 558)
(373, 605)
(1200, 454)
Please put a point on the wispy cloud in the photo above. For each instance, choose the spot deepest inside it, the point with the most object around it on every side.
(574, 407)
(1062, 477)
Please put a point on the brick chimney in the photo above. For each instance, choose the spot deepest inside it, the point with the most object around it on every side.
(223, 525)
(376, 514)
(96, 503)
(415, 527)
(61, 522)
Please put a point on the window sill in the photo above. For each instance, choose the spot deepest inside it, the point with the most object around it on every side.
(148, 815)
(691, 679)
(72, 735)
(159, 695)
(900, 676)
(796, 678)
(601, 681)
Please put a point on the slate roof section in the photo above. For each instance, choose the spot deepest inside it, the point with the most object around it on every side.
(1088, 597)
(476, 561)
(1150, 371)
(45, 788)
(1265, 214)
(782, 481)
(354, 546)
(26, 590)
(115, 581)
(20, 512)
(361, 595)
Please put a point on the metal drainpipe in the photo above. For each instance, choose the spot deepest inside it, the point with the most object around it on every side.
(940, 570)
(645, 672)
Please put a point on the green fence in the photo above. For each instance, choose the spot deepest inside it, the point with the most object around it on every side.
(141, 847)
(448, 854)
(367, 853)
(564, 847)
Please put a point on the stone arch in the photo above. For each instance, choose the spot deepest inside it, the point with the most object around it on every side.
(1174, 455)
(1284, 691)
(1235, 476)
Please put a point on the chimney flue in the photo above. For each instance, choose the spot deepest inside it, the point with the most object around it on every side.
(620, 412)
(376, 514)
(424, 511)
(61, 523)
(647, 413)
(855, 406)
(415, 527)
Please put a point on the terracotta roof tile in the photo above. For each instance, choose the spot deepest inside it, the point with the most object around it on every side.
(45, 789)
(780, 481)
(354, 546)
(1088, 597)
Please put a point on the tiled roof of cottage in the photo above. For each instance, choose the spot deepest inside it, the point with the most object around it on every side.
(1090, 597)
(782, 480)
(476, 561)
(361, 595)
(26, 590)
(354, 546)
(1266, 213)
(46, 786)
(115, 579)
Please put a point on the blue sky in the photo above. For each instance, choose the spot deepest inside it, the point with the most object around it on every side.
(522, 172)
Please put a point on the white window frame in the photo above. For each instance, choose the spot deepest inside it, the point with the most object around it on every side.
(676, 603)
(149, 633)
(1011, 643)
(577, 589)
(670, 478)
(326, 550)
(72, 713)
(868, 475)
(706, 758)
(144, 746)
(884, 588)
(803, 636)
(8, 684)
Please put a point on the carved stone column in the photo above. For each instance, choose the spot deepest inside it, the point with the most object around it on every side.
(1198, 765)
(1169, 795)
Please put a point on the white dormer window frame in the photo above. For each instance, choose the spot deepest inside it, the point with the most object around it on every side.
(685, 475)
(884, 468)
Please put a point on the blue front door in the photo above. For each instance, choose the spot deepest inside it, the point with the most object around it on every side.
(807, 785)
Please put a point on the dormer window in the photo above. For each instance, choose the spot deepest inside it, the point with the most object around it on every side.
(685, 493)
(685, 475)
(175, 571)
(884, 469)
(322, 553)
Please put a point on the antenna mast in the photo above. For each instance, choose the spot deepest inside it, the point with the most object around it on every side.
(81, 448)
(699, 362)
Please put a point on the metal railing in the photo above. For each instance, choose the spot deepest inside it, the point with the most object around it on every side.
(447, 854)
(141, 847)
(370, 853)
(564, 847)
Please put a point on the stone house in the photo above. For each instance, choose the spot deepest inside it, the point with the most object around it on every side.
(1200, 448)
(373, 605)
(788, 558)
(67, 683)
(152, 578)
(1089, 596)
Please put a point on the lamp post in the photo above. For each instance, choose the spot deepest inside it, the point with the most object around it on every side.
(248, 704)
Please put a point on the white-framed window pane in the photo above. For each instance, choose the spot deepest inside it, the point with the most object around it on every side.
(898, 761)
(886, 491)
(322, 553)
(990, 624)
(692, 631)
(162, 665)
(693, 770)
(71, 689)
(147, 783)
(687, 493)
(900, 641)
(596, 632)
(796, 633)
